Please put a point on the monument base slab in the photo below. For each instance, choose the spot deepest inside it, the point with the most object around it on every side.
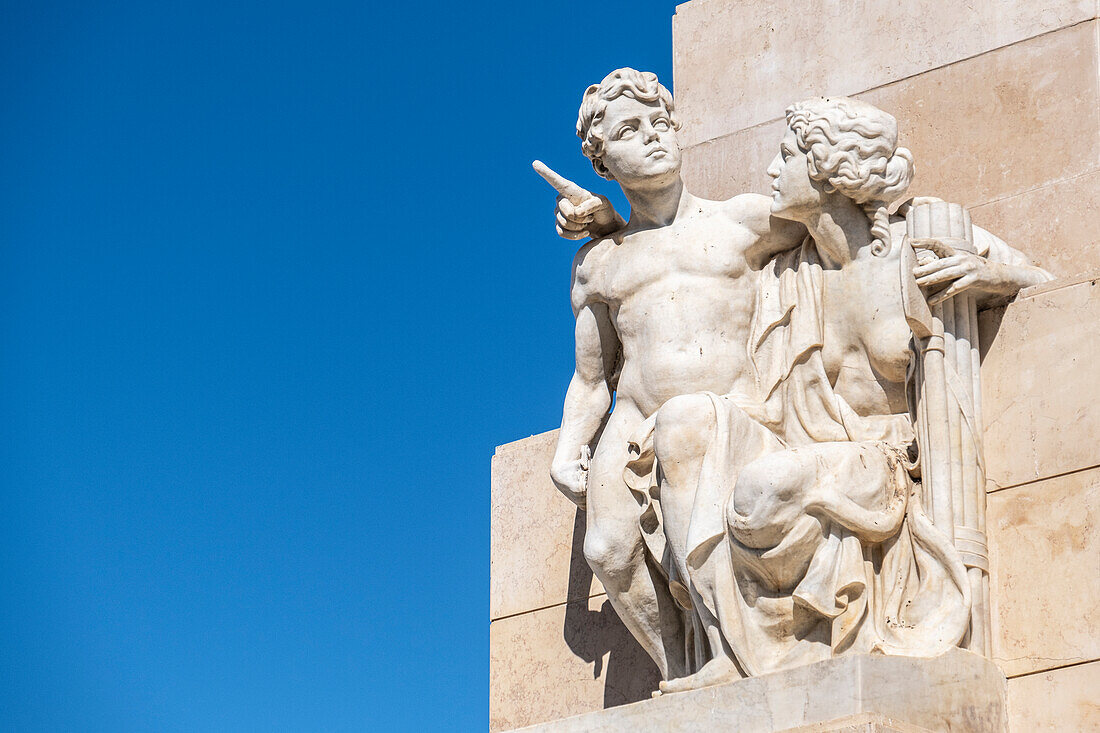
(959, 692)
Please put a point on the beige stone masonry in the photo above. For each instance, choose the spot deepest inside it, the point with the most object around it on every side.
(1065, 239)
(1004, 122)
(568, 659)
(736, 163)
(535, 558)
(1039, 386)
(1063, 700)
(738, 63)
(958, 691)
(1044, 541)
(990, 127)
(863, 723)
(999, 100)
(1045, 558)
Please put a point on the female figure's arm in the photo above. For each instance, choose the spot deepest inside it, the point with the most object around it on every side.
(996, 274)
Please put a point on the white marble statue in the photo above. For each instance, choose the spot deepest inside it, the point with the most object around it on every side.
(751, 497)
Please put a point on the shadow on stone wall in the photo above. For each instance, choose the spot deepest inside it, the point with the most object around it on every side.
(989, 324)
(629, 675)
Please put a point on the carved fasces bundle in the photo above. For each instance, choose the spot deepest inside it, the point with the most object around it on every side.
(948, 402)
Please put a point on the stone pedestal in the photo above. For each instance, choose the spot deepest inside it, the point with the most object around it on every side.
(959, 692)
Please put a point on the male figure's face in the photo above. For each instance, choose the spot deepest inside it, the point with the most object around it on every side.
(640, 148)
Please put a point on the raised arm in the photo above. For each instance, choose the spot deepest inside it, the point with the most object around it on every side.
(579, 213)
(587, 401)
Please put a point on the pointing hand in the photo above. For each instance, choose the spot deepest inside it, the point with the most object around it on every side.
(579, 213)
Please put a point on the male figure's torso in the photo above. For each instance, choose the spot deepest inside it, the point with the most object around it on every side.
(681, 299)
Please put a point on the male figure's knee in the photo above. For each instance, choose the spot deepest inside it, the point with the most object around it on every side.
(683, 428)
(613, 556)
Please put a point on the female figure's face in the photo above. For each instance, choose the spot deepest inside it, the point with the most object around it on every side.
(794, 194)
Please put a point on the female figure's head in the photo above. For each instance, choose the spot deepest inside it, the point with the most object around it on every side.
(840, 146)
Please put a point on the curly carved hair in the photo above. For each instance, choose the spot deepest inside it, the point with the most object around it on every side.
(853, 147)
(641, 85)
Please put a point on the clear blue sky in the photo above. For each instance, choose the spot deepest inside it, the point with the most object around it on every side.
(277, 277)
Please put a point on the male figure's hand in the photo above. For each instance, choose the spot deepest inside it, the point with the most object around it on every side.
(592, 218)
(571, 478)
(579, 213)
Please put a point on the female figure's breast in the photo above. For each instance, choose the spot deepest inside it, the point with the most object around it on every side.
(867, 339)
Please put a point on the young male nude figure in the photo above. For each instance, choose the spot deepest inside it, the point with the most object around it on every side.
(663, 307)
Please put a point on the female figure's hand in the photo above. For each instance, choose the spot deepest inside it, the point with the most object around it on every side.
(952, 272)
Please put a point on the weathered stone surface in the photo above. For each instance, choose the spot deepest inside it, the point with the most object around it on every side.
(1040, 380)
(860, 724)
(536, 534)
(735, 163)
(958, 691)
(665, 301)
(1065, 238)
(562, 661)
(1058, 700)
(981, 130)
(1004, 122)
(863, 723)
(1044, 542)
(738, 64)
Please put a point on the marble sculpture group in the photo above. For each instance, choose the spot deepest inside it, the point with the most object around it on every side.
(792, 468)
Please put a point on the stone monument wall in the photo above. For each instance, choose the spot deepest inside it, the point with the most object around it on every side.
(998, 100)
(1000, 103)
(556, 647)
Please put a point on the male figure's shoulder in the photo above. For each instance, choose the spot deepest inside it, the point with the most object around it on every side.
(765, 234)
(587, 270)
(750, 210)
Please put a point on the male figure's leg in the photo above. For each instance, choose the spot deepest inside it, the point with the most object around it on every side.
(615, 550)
(682, 431)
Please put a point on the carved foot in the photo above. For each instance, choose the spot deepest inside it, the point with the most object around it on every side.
(717, 671)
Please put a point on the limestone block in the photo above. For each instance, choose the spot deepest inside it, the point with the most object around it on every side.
(860, 724)
(1004, 122)
(1059, 700)
(1041, 385)
(722, 168)
(1044, 543)
(737, 64)
(982, 129)
(561, 661)
(536, 533)
(1058, 224)
(958, 691)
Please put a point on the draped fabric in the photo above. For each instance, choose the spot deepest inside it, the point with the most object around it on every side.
(848, 562)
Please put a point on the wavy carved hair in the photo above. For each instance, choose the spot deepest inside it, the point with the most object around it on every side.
(853, 147)
(640, 85)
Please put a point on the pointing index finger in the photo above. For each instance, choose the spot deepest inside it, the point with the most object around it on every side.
(564, 186)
